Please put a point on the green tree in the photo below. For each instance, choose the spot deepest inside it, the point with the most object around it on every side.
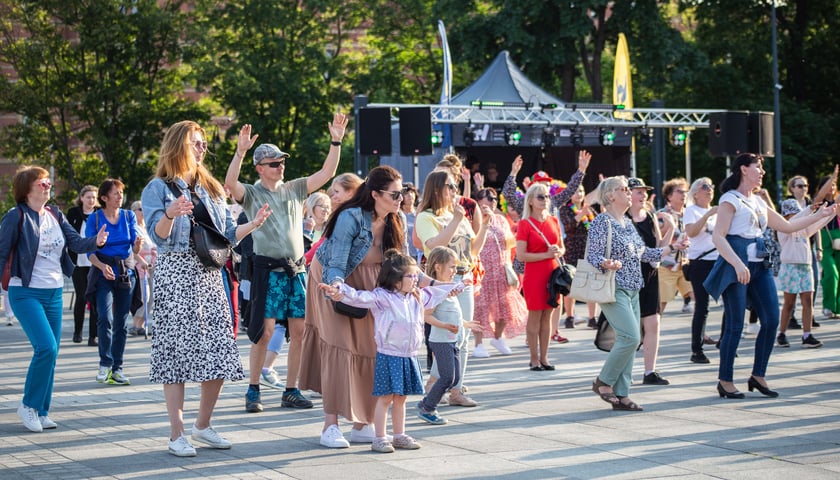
(279, 66)
(98, 73)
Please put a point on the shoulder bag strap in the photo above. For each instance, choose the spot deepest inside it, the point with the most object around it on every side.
(609, 242)
(539, 231)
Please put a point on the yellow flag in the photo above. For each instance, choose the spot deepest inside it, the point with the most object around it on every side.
(622, 85)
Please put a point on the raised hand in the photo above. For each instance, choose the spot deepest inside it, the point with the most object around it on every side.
(244, 141)
(338, 126)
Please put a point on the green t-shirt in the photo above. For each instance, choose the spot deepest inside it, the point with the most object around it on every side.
(281, 236)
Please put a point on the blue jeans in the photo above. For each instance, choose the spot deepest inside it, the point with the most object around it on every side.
(112, 305)
(764, 300)
(624, 317)
(39, 313)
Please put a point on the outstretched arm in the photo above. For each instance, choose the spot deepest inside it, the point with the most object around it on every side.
(322, 176)
(244, 142)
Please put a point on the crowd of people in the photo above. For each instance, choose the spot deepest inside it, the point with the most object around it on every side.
(356, 277)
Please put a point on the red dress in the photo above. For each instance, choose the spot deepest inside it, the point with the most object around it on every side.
(535, 279)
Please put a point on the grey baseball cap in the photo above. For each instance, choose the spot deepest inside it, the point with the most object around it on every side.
(268, 150)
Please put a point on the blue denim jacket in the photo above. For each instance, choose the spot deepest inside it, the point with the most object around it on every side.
(157, 196)
(348, 245)
(723, 274)
(25, 241)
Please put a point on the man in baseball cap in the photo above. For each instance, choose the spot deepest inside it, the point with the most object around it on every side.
(278, 267)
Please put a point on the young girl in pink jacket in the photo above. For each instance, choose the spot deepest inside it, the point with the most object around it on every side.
(397, 306)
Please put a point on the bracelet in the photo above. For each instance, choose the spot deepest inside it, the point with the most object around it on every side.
(167, 215)
(335, 144)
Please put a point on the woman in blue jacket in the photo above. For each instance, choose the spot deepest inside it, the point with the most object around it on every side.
(35, 240)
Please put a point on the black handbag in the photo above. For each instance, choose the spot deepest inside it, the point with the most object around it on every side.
(605, 337)
(211, 246)
(349, 310)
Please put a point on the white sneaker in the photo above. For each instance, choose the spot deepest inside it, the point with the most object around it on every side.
(480, 352)
(687, 308)
(104, 373)
(500, 345)
(10, 321)
(181, 447)
(333, 438)
(271, 380)
(365, 434)
(752, 328)
(46, 423)
(209, 436)
(30, 418)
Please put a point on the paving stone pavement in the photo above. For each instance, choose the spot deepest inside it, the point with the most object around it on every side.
(530, 425)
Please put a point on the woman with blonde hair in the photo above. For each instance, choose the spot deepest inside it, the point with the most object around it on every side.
(442, 221)
(193, 340)
(539, 245)
(627, 251)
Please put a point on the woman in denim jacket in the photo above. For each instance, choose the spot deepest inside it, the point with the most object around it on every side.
(339, 352)
(39, 236)
(740, 270)
(193, 340)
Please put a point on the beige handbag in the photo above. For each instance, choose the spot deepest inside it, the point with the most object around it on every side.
(510, 274)
(589, 284)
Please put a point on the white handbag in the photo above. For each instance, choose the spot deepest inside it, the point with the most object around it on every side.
(590, 285)
(510, 274)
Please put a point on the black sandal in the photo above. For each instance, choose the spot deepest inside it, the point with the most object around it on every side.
(631, 406)
(608, 397)
(536, 368)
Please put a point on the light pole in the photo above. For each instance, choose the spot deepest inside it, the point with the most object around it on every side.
(777, 118)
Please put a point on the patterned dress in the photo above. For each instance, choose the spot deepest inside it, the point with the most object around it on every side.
(193, 336)
(497, 300)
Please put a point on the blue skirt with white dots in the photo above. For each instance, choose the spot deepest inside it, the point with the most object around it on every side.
(396, 375)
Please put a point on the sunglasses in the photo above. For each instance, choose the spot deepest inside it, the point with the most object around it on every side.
(275, 164)
(395, 195)
(541, 197)
(801, 185)
(707, 187)
(200, 145)
(45, 184)
(452, 186)
(490, 198)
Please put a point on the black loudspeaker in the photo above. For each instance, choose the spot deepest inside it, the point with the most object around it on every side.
(415, 131)
(760, 134)
(374, 131)
(728, 133)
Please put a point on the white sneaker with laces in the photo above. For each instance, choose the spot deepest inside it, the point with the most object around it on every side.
(104, 373)
(46, 423)
(30, 418)
(480, 352)
(752, 328)
(500, 345)
(181, 447)
(270, 379)
(209, 436)
(333, 438)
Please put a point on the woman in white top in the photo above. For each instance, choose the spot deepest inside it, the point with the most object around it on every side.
(699, 219)
(741, 271)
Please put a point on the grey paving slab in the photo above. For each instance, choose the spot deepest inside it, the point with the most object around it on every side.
(530, 425)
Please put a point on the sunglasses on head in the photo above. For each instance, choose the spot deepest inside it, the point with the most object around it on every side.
(274, 164)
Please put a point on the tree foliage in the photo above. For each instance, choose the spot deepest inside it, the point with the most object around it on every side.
(98, 73)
